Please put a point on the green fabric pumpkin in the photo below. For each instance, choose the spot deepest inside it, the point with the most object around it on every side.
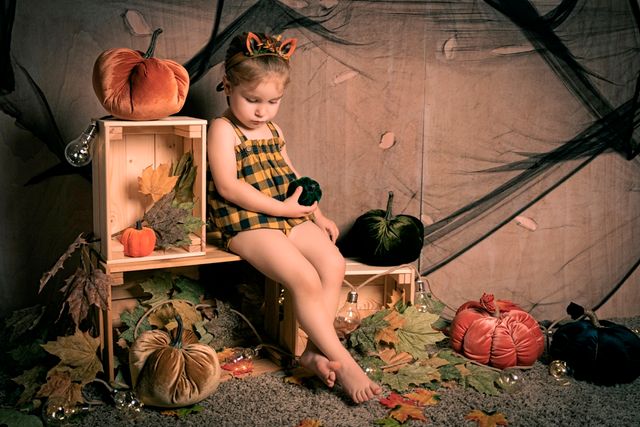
(311, 191)
(379, 238)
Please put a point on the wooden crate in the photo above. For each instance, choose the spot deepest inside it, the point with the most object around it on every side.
(123, 150)
(280, 320)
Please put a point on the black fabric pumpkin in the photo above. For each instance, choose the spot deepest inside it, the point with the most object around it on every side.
(379, 238)
(600, 352)
(311, 191)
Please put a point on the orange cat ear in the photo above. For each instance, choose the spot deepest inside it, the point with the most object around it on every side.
(287, 48)
(253, 43)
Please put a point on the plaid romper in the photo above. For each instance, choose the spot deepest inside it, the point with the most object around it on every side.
(259, 163)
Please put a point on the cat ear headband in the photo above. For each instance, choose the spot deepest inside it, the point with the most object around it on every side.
(262, 46)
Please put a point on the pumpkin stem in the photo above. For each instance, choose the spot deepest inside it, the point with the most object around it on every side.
(177, 340)
(593, 318)
(388, 214)
(152, 45)
(139, 224)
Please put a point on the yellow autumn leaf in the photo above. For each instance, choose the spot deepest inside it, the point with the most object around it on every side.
(156, 182)
(423, 397)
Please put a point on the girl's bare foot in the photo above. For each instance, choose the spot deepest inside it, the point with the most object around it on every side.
(317, 363)
(356, 383)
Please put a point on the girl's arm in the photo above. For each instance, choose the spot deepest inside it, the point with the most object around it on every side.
(222, 161)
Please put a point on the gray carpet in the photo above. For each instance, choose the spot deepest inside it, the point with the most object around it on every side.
(268, 401)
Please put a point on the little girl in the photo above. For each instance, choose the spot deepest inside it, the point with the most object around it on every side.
(288, 242)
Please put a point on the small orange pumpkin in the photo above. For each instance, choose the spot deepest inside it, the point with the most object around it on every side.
(133, 85)
(138, 241)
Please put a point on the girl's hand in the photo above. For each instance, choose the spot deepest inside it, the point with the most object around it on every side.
(327, 226)
(293, 209)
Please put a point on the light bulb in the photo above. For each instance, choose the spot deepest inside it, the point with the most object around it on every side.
(560, 372)
(78, 152)
(127, 401)
(348, 317)
(421, 298)
(510, 380)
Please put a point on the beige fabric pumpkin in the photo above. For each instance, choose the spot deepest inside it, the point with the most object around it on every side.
(172, 371)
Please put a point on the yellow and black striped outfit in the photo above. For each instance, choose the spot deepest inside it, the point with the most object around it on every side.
(259, 163)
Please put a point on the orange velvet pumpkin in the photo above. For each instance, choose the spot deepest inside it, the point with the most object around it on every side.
(496, 333)
(133, 85)
(138, 241)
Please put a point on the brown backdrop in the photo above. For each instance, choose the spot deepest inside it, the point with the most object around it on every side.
(462, 87)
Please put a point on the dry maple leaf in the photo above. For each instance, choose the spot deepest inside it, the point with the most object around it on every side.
(486, 419)
(392, 357)
(394, 361)
(403, 412)
(80, 240)
(388, 334)
(31, 381)
(83, 290)
(395, 297)
(61, 389)
(156, 182)
(78, 352)
(423, 397)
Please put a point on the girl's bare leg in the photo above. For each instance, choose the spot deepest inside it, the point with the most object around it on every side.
(316, 246)
(278, 257)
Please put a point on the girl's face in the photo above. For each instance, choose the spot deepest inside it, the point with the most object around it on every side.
(255, 104)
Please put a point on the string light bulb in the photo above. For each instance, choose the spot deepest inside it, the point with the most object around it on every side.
(421, 300)
(78, 152)
(348, 317)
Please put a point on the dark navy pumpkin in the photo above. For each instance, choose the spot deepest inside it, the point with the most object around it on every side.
(597, 351)
(380, 238)
(311, 191)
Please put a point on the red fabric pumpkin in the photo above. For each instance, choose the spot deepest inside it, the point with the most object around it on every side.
(133, 85)
(496, 333)
(139, 241)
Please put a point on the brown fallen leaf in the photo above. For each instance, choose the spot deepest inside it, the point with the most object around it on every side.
(487, 419)
(61, 389)
(388, 334)
(395, 297)
(403, 412)
(78, 354)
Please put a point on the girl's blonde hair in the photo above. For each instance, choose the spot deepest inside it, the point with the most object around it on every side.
(255, 68)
